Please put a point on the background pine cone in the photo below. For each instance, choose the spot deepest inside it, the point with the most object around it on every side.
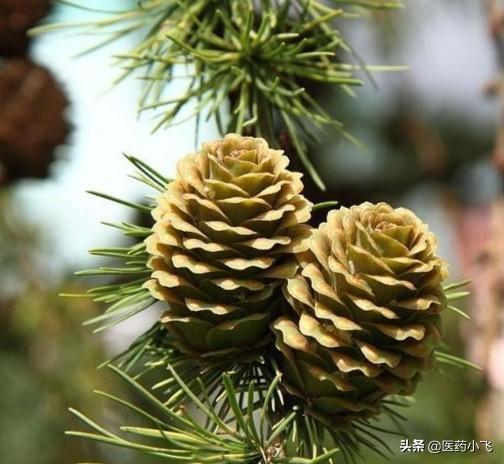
(366, 317)
(16, 17)
(32, 120)
(225, 233)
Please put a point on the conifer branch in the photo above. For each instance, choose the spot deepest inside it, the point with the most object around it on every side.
(262, 58)
(233, 432)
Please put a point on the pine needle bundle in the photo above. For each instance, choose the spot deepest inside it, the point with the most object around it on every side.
(249, 65)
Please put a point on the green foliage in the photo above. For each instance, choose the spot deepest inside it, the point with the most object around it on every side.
(127, 297)
(180, 437)
(236, 419)
(455, 292)
(259, 57)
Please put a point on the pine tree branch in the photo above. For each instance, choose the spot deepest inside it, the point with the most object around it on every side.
(257, 57)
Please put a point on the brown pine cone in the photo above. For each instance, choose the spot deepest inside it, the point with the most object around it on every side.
(16, 17)
(32, 120)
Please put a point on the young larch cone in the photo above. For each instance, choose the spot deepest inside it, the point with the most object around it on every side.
(16, 17)
(226, 232)
(365, 316)
(32, 120)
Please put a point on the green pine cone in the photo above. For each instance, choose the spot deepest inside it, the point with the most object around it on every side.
(226, 233)
(366, 311)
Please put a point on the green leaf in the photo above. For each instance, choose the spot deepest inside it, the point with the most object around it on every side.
(447, 358)
(139, 207)
(459, 312)
(325, 204)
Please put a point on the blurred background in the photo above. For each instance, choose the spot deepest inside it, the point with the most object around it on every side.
(435, 136)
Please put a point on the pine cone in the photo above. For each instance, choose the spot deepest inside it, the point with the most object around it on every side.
(32, 120)
(366, 311)
(225, 236)
(16, 17)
